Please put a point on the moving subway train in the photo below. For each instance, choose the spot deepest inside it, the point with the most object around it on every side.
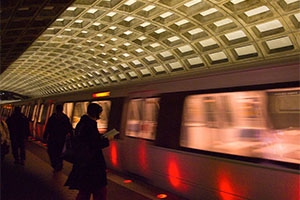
(226, 136)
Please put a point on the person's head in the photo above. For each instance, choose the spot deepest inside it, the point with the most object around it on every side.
(59, 108)
(94, 110)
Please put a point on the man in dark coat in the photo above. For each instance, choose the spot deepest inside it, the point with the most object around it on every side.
(57, 128)
(90, 178)
(18, 126)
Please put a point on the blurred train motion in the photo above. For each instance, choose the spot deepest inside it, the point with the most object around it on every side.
(225, 136)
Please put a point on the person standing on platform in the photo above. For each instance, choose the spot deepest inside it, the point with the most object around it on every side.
(90, 178)
(57, 128)
(18, 126)
(5, 141)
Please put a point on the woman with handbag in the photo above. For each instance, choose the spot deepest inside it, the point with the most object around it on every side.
(89, 177)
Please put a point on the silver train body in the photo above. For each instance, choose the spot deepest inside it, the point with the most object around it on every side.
(229, 136)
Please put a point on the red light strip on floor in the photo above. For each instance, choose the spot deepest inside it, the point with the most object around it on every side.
(161, 196)
(127, 181)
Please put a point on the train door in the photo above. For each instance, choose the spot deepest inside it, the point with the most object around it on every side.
(28, 113)
(23, 109)
(141, 125)
(103, 121)
(39, 121)
(68, 109)
(80, 109)
(27, 110)
(6, 111)
(33, 119)
(44, 113)
(142, 118)
(194, 134)
(50, 110)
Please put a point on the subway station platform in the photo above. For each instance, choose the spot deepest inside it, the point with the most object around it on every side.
(37, 181)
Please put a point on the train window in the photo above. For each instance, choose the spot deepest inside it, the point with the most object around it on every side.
(261, 124)
(103, 121)
(41, 113)
(51, 110)
(44, 111)
(27, 111)
(79, 110)
(68, 109)
(142, 118)
(284, 109)
(33, 113)
(6, 111)
(23, 107)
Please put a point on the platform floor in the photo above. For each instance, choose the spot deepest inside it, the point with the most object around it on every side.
(36, 181)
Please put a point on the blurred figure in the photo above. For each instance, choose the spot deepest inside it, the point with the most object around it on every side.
(18, 126)
(5, 141)
(57, 128)
(90, 178)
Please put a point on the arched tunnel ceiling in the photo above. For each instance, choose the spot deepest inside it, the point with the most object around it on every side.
(101, 43)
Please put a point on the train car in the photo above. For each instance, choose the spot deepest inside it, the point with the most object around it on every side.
(227, 136)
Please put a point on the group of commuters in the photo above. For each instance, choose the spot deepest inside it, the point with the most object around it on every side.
(88, 178)
(14, 132)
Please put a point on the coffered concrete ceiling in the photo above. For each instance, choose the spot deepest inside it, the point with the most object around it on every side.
(103, 43)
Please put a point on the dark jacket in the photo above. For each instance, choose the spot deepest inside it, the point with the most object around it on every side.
(18, 126)
(91, 176)
(58, 126)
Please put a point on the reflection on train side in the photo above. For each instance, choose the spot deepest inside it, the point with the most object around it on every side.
(250, 123)
(80, 109)
(142, 118)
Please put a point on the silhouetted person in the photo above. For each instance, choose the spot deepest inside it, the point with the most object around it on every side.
(57, 128)
(90, 178)
(18, 126)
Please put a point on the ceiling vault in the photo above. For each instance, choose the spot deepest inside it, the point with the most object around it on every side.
(59, 46)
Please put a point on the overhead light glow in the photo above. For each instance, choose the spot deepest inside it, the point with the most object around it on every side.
(161, 196)
(148, 8)
(71, 8)
(101, 94)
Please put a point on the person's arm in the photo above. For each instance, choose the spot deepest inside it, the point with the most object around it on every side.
(103, 141)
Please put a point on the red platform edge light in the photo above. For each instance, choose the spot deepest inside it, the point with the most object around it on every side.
(101, 94)
(127, 181)
(174, 173)
(114, 154)
(161, 196)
